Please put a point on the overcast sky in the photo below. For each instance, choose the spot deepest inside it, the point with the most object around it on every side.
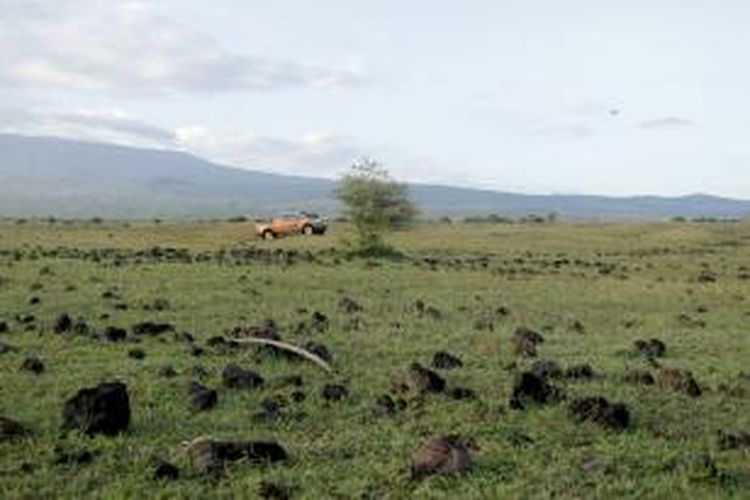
(541, 96)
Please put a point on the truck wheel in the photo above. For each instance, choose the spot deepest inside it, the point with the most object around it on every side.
(268, 235)
(307, 230)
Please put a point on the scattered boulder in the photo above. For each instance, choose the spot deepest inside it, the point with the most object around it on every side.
(4, 328)
(653, 348)
(164, 470)
(201, 397)
(235, 377)
(63, 323)
(33, 365)
(114, 334)
(186, 337)
(334, 392)
(423, 380)
(384, 406)
(298, 396)
(136, 353)
(80, 327)
(152, 328)
(531, 388)
(528, 335)
(443, 360)
(271, 409)
(678, 380)
(349, 305)
(210, 456)
(547, 368)
(319, 321)
(525, 342)
(579, 372)
(10, 430)
(441, 455)
(319, 350)
(638, 377)
(598, 410)
(461, 393)
(272, 491)
(104, 409)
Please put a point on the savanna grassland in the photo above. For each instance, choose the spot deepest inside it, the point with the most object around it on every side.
(589, 290)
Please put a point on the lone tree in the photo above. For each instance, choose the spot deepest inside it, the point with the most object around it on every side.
(375, 203)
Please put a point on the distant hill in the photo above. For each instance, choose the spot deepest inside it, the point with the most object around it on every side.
(42, 176)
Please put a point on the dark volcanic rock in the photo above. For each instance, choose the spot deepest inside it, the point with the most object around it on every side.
(638, 377)
(547, 368)
(334, 392)
(653, 348)
(32, 364)
(114, 334)
(423, 380)
(460, 393)
(63, 324)
(104, 409)
(384, 406)
(349, 305)
(272, 491)
(598, 410)
(441, 455)
(163, 470)
(679, 381)
(136, 353)
(443, 360)
(579, 372)
(525, 341)
(235, 377)
(152, 328)
(531, 388)
(201, 397)
(10, 430)
(528, 335)
(208, 455)
(319, 350)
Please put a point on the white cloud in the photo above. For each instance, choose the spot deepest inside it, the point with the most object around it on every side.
(128, 48)
(316, 154)
(90, 124)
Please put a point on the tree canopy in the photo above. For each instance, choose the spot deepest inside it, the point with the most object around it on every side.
(374, 202)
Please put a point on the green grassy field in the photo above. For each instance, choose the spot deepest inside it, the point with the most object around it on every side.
(590, 289)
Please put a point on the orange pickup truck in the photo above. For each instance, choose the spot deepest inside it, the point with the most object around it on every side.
(291, 223)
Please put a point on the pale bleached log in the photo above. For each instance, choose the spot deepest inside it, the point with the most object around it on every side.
(287, 347)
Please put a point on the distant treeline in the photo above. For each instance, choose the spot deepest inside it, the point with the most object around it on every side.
(502, 219)
(707, 220)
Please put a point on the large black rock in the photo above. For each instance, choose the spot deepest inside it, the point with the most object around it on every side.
(235, 377)
(104, 409)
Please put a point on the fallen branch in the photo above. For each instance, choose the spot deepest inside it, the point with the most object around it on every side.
(287, 347)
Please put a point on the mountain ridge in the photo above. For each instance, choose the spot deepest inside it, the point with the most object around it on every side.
(42, 176)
